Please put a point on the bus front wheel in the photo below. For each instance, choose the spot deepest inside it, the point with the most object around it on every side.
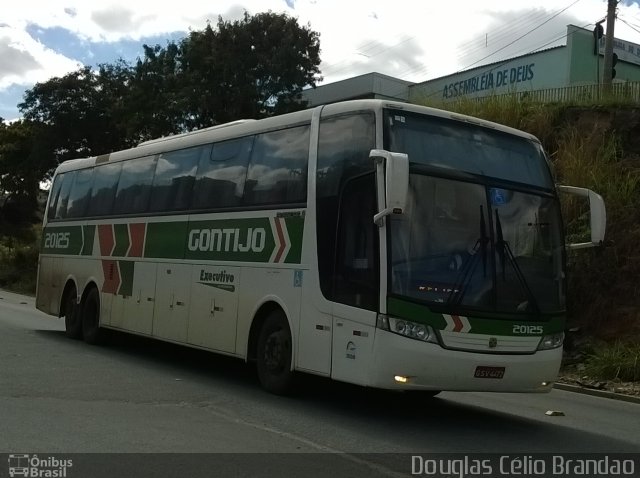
(274, 354)
(91, 331)
(72, 322)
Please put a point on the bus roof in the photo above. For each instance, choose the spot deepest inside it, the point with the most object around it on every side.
(241, 128)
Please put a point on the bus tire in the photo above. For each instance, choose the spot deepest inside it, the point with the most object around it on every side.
(91, 331)
(274, 354)
(71, 313)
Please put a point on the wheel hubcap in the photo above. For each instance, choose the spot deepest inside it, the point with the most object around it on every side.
(274, 352)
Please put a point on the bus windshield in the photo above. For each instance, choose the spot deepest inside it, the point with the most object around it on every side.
(467, 147)
(476, 242)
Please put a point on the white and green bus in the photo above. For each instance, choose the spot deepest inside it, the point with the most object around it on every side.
(378, 243)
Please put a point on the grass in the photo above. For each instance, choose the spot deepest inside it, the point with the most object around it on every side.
(19, 260)
(614, 361)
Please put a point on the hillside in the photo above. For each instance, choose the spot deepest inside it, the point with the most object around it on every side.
(604, 290)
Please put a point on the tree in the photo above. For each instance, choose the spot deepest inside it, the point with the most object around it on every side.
(249, 68)
(83, 112)
(21, 170)
(155, 102)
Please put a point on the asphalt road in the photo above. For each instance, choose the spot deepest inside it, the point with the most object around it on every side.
(135, 395)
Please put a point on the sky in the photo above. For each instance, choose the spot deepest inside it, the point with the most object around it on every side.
(415, 40)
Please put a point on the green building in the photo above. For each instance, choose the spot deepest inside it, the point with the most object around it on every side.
(548, 72)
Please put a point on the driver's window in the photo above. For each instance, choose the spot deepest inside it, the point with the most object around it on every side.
(356, 269)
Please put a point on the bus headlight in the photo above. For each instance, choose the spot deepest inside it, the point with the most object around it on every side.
(552, 341)
(407, 328)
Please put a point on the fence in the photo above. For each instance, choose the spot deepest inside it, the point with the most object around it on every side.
(621, 91)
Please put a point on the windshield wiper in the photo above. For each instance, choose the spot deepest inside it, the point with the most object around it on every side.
(504, 252)
(466, 273)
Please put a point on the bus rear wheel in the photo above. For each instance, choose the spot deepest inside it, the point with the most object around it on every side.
(91, 331)
(274, 354)
(71, 312)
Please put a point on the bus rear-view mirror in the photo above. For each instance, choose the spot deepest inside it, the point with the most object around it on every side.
(392, 170)
(597, 215)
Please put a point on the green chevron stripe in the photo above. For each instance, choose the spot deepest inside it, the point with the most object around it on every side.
(295, 228)
(121, 233)
(126, 277)
(89, 233)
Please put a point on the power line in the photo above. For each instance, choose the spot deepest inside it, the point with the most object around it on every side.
(522, 36)
(417, 70)
(502, 32)
(501, 63)
(629, 24)
(362, 49)
(497, 35)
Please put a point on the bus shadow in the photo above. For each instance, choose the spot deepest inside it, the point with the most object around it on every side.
(444, 424)
(413, 421)
(180, 360)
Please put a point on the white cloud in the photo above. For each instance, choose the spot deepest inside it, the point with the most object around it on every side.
(28, 61)
(413, 39)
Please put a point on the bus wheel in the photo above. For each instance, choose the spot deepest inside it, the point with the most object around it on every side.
(71, 312)
(274, 354)
(91, 331)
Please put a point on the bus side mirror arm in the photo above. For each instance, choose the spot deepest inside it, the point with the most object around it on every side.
(392, 170)
(597, 216)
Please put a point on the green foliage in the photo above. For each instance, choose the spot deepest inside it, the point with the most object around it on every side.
(19, 260)
(79, 114)
(249, 68)
(614, 361)
(154, 104)
(22, 166)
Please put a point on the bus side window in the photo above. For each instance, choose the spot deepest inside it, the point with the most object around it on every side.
(134, 186)
(278, 169)
(53, 196)
(105, 184)
(63, 197)
(80, 193)
(221, 175)
(173, 182)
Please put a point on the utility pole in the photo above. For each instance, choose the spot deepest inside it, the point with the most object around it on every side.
(607, 74)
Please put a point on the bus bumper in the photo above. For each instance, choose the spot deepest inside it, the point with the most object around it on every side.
(408, 364)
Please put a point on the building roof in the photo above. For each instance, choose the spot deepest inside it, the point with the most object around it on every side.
(369, 85)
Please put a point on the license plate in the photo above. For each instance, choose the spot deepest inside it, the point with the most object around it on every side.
(488, 372)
